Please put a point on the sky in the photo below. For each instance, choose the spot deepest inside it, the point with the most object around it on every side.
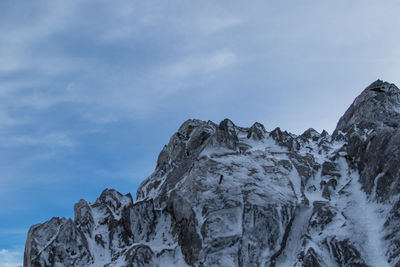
(90, 91)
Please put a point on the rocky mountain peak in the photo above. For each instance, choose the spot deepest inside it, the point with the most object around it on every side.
(256, 131)
(225, 195)
(377, 106)
(311, 134)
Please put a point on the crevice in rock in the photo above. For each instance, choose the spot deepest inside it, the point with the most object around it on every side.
(275, 256)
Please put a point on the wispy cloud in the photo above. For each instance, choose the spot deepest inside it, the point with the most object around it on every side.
(10, 258)
(48, 140)
(200, 64)
(212, 25)
(27, 30)
(128, 58)
(6, 120)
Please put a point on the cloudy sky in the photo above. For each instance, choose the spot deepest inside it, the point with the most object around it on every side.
(90, 91)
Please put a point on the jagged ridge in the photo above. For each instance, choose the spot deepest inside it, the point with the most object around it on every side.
(223, 195)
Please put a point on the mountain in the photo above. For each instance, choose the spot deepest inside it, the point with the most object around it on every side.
(224, 195)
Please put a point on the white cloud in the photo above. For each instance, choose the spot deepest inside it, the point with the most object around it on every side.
(10, 258)
(216, 24)
(50, 140)
(206, 40)
(7, 121)
(17, 40)
(104, 94)
(42, 99)
(219, 61)
(15, 231)
(201, 64)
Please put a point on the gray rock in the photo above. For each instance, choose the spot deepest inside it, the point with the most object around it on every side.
(330, 168)
(226, 134)
(323, 213)
(139, 255)
(83, 217)
(284, 139)
(256, 131)
(311, 259)
(56, 242)
(345, 253)
(312, 134)
(185, 226)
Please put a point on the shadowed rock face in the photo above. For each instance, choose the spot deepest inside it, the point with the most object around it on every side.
(372, 128)
(224, 195)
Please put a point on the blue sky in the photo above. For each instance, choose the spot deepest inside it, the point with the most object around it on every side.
(90, 91)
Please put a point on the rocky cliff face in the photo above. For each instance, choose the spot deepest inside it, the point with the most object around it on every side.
(223, 195)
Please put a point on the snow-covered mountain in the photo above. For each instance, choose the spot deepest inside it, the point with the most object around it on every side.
(224, 195)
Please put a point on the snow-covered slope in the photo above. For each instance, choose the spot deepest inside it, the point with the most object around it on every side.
(223, 195)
